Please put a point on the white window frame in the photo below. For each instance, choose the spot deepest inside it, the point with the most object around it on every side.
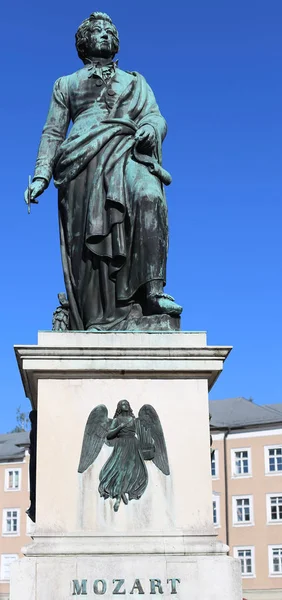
(266, 460)
(6, 484)
(234, 511)
(270, 560)
(233, 463)
(236, 551)
(216, 499)
(216, 476)
(4, 522)
(3, 556)
(271, 521)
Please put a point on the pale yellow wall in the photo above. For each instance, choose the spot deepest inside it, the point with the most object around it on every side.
(260, 535)
(14, 499)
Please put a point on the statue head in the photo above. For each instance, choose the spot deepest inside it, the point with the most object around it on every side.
(97, 37)
(124, 406)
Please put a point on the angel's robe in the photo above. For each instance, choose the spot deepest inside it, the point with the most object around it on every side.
(112, 207)
(125, 471)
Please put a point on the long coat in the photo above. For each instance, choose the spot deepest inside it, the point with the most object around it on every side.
(113, 215)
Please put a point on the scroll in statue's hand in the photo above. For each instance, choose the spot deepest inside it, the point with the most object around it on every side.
(145, 138)
(37, 188)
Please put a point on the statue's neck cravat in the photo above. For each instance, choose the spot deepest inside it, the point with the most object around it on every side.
(98, 68)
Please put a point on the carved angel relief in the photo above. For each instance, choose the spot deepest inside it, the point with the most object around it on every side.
(124, 476)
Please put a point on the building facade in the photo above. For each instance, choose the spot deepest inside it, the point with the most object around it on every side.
(247, 490)
(14, 500)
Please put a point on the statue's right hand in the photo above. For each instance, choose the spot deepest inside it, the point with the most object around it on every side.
(37, 188)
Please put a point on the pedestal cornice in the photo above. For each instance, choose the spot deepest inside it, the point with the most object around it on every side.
(76, 355)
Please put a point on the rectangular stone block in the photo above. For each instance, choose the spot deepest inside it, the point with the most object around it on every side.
(181, 578)
(163, 543)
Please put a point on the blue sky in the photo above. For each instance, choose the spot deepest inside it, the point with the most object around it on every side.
(215, 68)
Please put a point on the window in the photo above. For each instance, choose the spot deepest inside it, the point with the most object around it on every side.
(6, 560)
(11, 521)
(214, 464)
(12, 479)
(273, 460)
(216, 510)
(274, 508)
(275, 560)
(241, 462)
(242, 510)
(246, 557)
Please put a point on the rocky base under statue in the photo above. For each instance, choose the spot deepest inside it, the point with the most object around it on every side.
(135, 321)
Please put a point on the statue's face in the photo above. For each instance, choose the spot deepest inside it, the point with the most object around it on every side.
(102, 40)
(124, 404)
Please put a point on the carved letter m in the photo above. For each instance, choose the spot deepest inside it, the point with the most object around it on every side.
(79, 589)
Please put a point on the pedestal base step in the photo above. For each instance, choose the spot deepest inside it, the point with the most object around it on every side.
(182, 577)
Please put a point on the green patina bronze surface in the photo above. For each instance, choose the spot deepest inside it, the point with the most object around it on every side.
(109, 175)
(124, 476)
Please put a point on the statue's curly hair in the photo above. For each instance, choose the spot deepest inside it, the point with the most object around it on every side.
(119, 409)
(82, 36)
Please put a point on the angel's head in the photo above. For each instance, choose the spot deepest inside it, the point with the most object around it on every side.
(124, 407)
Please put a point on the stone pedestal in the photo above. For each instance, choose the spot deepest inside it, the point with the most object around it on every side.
(164, 543)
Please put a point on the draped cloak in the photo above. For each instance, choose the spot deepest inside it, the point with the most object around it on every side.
(125, 471)
(112, 208)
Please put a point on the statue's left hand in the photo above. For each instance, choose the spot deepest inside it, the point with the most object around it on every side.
(145, 138)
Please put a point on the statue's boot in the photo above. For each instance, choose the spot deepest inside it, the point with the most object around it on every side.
(162, 304)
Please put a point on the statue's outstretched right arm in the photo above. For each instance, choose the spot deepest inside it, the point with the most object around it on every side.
(54, 133)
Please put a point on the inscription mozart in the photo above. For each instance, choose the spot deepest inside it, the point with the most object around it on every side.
(120, 587)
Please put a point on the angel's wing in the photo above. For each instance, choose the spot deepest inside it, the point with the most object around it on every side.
(95, 433)
(151, 423)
